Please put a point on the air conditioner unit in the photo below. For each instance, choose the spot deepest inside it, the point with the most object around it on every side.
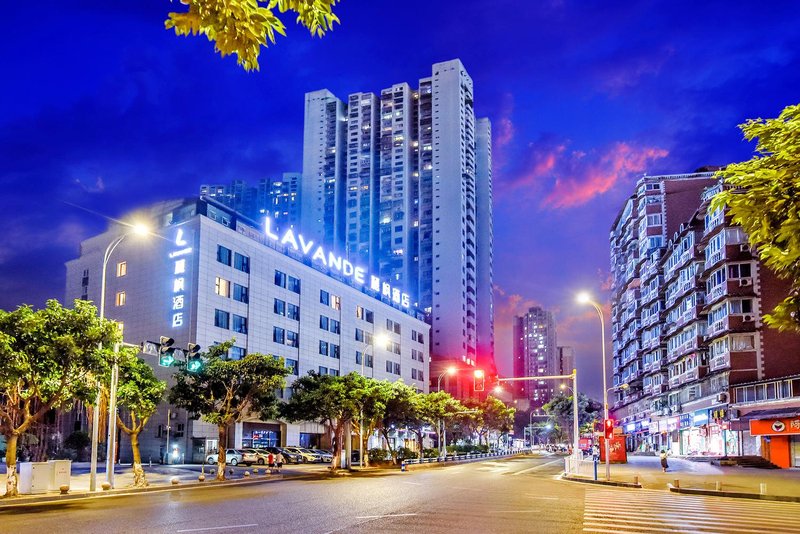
(748, 318)
(744, 282)
(744, 247)
(722, 397)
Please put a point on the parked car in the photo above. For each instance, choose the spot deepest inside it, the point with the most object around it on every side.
(288, 457)
(325, 456)
(254, 456)
(307, 455)
(232, 456)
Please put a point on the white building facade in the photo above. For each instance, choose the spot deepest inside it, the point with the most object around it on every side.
(210, 274)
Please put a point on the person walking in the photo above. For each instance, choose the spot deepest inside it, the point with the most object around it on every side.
(279, 461)
(663, 457)
(271, 462)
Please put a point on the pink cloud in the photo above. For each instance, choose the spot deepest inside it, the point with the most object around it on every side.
(503, 133)
(582, 177)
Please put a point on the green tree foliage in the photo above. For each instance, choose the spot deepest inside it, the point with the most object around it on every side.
(488, 416)
(430, 410)
(48, 359)
(226, 391)
(334, 401)
(762, 197)
(560, 411)
(373, 403)
(242, 27)
(401, 412)
(139, 392)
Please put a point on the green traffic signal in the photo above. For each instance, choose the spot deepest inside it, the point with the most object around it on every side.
(194, 365)
(166, 360)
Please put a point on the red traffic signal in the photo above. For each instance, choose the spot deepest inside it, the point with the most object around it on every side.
(608, 428)
(480, 380)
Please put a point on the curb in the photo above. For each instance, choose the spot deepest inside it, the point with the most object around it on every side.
(601, 482)
(58, 499)
(733, 494)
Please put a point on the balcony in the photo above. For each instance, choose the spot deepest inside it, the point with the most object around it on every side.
(731, 288)
(734, 323)
(695, 374)
(730, 252)
(720, 362)
(675, 381)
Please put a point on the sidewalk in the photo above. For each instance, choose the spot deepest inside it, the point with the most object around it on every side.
(702, 475)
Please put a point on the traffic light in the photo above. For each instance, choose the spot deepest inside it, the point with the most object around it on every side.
(480, 378)
(193, 361)
(166, 354)
(608, 428)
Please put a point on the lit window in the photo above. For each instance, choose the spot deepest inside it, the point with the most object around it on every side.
(222, 287)
(122, 268)
(120, 298)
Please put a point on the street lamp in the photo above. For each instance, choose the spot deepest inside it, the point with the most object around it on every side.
(531, 415)
(380, 339)
(585, 298)
(451, 370)
(136, 229)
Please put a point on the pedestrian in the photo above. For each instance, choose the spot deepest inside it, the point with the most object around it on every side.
(271, 462)
(663, 457)
(279, 461)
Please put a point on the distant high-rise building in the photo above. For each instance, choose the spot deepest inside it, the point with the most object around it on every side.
(536, 354)
(566, 363)
(401, 184)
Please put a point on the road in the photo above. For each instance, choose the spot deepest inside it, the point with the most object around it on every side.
(516, 495)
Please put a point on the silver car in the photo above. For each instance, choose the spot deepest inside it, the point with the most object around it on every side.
(232, 456)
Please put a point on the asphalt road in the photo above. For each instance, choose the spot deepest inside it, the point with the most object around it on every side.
(516, 495)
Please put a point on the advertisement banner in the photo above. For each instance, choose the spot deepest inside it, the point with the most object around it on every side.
(617, 446)
(775, 427)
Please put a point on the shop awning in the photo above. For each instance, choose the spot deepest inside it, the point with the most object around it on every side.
(775, 413)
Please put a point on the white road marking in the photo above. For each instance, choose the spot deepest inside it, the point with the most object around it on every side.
(382, 516)
(541, 497)
(534, 468)
(216, 528)
(413, 483)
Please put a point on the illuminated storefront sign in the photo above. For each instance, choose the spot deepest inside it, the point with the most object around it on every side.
(179, 289)
(335, 263)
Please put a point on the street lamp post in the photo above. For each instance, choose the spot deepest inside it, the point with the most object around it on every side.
(112, 422)
(442, 425)
(585, 298)
(381, 339)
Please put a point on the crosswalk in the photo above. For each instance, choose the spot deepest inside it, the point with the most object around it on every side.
(639, 510)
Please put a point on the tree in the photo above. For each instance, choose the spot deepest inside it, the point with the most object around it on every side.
(334, 401)
(560, 411)
(761, 196)
(139, 393)
(401, 411)
(373, 407)
(430, 409)
(48, 359)
(242, 27)
(490, 415)
(224, 392)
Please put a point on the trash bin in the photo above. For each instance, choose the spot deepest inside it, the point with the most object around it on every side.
(60, 472)
(34, 477)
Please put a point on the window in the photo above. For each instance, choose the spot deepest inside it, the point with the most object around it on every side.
(369, 316)
(323, 370)
(359, 356)
(240, 293)
(359, 312)
(179, 429)
(420, 375)
(122, 268)
(334, 352)
(280, 279)
(417, 336)
(333, 372)
(392, 326)
(336, 302)
(388, 366)
(323, 347)
(278, 335)
(397, 368)
(335, 326)
(293, 312)
(294, 284)
(222, 287)
(237, 353)
(324, 297)
(120, 298)
(241, 262)
(279, 307)
(359, 334)
(221, 319)
(239, 324)
(395, 347)
(323, 322)
(292, 338)
(292, 366)
(223, 255)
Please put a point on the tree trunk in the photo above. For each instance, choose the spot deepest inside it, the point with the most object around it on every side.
(139, 478)
(12, 479)
(221, 451)
(419, 440)
(337, 446)
(392, 452)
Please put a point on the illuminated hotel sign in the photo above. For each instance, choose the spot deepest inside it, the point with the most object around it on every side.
(178, 297)
(335, 263)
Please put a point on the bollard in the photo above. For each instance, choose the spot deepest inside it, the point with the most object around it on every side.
(255, 470)
(636, 479)
(106, 486)
(718, 486)
(402, 466)
(174, 481)
(201, 478)
(246, 474)
(676, 483)
(763, 488)
(64, 489)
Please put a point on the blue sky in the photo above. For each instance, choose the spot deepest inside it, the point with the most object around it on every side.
(104, 108)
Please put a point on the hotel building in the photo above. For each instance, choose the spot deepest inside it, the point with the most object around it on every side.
(209, 274)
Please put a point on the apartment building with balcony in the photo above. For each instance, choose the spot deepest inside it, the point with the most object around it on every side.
(701, 298)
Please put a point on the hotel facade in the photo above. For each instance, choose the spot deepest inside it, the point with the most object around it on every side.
(209, 274)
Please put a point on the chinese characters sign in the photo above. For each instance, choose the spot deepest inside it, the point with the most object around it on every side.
(179, 286)
(775, 427)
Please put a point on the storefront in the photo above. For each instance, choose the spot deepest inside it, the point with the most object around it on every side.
(780, 437)
(707, 435)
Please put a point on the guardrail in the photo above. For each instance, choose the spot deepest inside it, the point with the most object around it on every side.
(576, 465)
(455, 458)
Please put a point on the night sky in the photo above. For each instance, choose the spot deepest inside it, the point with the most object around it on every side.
(103, 108)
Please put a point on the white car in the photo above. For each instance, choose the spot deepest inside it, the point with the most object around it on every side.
(232, 456)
